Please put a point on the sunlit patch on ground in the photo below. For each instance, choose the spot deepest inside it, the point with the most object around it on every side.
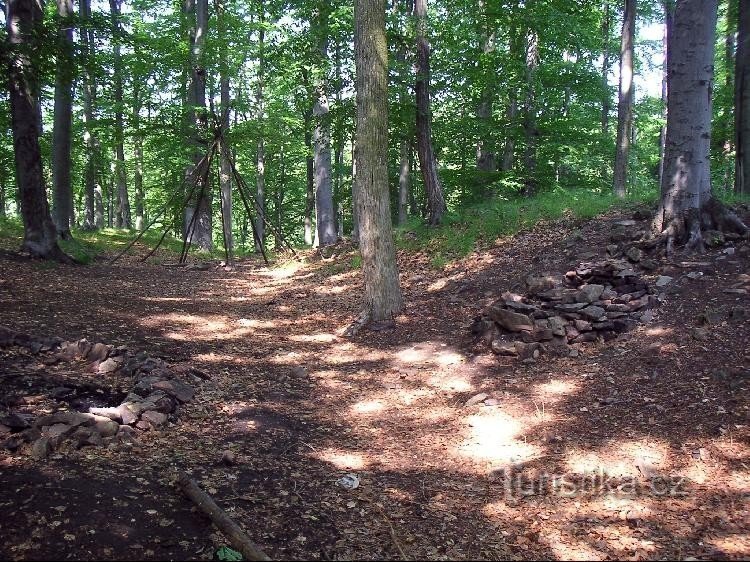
(341, 459)
(368, 407)
(555, 390)
(633, 458)
(315, 338)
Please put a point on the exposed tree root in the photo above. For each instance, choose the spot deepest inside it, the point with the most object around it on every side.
(360, 322)
(689, 229)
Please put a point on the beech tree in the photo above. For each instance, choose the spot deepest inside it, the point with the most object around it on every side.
(61, 140)
(626, 96)
(687, 204)
(379, 269)
(427, 163)
(742, 100)
(23, 19)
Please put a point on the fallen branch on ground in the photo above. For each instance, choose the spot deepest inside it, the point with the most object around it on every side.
(237, 537)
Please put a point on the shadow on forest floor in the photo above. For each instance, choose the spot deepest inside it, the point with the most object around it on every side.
(636, 449)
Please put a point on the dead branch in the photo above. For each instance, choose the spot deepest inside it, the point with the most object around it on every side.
(237, 537)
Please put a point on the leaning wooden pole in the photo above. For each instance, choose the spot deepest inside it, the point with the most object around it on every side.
(237, 537)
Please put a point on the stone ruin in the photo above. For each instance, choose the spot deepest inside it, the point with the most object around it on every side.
(595, 302)
(157, 391)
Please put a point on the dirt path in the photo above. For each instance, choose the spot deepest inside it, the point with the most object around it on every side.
(662, 413)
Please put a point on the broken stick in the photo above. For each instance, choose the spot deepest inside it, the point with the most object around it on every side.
(237, 537)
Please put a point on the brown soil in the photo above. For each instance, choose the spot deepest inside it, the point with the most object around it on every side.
(662, 412)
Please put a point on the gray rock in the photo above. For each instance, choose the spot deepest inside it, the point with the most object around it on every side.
(109, 365)
(648, 264)
(98, 352)
(663, 281)
(111, 413)
(589, 293)
(158, 401)
(501, 347)
(634, 254)
(106, 427)
(41, 448)
(86, 436)
(582, 325)
(592, 312)
(574, 307)
(156, 419)
(129, 412)
(176, 389)
(613, 249)
(557, 325)
(476, 399)
(511, 321)
(68, 418)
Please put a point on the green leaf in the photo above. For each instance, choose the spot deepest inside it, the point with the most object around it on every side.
(226, 553)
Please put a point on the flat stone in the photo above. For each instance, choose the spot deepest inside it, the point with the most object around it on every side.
(582, 325)
(129, 412)
(41, 448)
(176, 389)
(573, 307)
(111, 413)
(592, 312)
(98, 352)
(622, 325)
(500, 347)
(109, 365)
(69, 418)
(545, 334)
(663, 281)
(735, 291)
(158, 401)
(586, 337)
(648, 264)
(106, 427)
(14, 421)
(634, 254)
(476, 399)
(86, 436)
(156, 419)
(511, 321)
(520, 306)
(143, 425)
(557, 325)
(589, 293)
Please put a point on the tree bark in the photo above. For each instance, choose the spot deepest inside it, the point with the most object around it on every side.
(62, 189)
(260, 153)
(486, 161)
(309, 181)
(625, 103)
(122, 218)
(404, 185)
(668, 24)
(742, 101)
(23, 20)
(379, 269)
(225, 166)
(325, 214)
(605, 69)
(427, 162)
(138, 154)
(687, 205)
(529, 125)
(90, 221)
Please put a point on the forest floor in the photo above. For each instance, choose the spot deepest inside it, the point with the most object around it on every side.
(649, 432)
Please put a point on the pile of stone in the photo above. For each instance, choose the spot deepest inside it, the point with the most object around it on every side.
(157, 391)
(596, 301)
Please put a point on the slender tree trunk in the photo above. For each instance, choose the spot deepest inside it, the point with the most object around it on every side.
(89, 140)
(668, 14)
(427, 162)
(122, 219)
(279, 200)
(605, 69)
(310, 181)
(138, 155)
(485, 150)
(355, 208)
(63, 120)
(529, 125)
(260, 193)
(23, 20)
(625, 104)
(742, 101)
(3, 197)
(338, 147)
(687, 204)
(325, 214)
(511, 114)
(379, 269)
(403, 183)
(225, 166)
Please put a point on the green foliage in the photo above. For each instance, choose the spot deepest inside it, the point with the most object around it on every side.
(226, 553)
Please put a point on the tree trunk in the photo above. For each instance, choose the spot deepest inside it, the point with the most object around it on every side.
(742, 101)
(138, 154)
(403, 182)
(668, 14)
(62, 189)
(529, 125)
(201, 234)
(310, 181)
(485, 148)
(89, 92)
(225, 166)
(687, 205)
(260, 184)
(379, 269)
(122, 219)
(23, 20)
(625, 103)
(605, 69)
(427, 162)
(325, 214)
(279, 199)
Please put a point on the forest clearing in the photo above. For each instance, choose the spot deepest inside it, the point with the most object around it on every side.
(662, 409)
(314, 280)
